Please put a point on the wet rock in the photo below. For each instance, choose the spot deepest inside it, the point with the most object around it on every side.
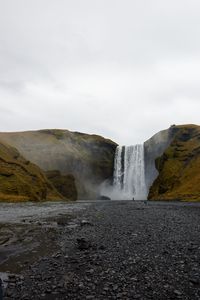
(9, 293)
(178, 293)
(86, 222)
(58, 255)
(115, 287)
(91, 271)
(83, 244)
(63, 222)
(90, 297)
(195, 280)
(81, 285)
(102, 247)
(102, 197)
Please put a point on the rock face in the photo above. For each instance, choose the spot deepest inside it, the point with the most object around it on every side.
(65, 184)
(179, 166)
(154, 148)
(89, 158)
(20, 180)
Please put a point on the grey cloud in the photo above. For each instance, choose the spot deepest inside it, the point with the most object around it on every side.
(122, 69)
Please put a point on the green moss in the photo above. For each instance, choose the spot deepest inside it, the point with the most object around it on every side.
(179, 167)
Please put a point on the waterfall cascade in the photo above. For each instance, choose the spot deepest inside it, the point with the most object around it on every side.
(129, 173)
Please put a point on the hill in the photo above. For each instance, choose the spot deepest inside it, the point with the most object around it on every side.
(89, 158)
(21, 180)
(179, 167)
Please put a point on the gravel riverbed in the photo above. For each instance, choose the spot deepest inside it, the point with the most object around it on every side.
(103, 250)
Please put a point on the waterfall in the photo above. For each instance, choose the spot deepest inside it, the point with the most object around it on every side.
(117, 180)
(129, 173)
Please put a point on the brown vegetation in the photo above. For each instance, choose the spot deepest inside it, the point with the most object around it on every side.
(179, 167)
(64, 184)
(20, 180)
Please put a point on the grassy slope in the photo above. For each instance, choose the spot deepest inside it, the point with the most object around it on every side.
(179, 167)
(21, 180)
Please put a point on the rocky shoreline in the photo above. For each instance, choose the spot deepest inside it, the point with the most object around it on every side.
(104, 250)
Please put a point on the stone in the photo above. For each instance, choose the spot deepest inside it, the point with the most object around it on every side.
(195, 280)
(177, 293)
(102, 197)
(86, 222)
(102, 247)
(83, 244)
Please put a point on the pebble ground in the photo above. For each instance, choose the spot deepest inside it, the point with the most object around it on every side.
(116, 250)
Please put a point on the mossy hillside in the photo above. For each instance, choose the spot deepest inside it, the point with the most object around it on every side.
(179, 166)
(89, 158)
(65, 184)
(20, 180)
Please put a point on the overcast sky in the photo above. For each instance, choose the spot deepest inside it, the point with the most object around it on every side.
(124, 69)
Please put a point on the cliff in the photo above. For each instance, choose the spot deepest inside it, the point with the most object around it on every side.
(20, 180)
(64, 184)
(89, 158)
(154, 148)
(179, 166)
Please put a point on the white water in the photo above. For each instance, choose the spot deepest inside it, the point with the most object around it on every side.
(117, 179)
(129, 173)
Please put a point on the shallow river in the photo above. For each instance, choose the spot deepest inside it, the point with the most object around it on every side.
(15, 212)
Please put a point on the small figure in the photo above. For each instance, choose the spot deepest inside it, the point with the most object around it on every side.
(133, 199)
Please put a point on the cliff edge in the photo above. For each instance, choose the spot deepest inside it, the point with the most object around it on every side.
(179, 166)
